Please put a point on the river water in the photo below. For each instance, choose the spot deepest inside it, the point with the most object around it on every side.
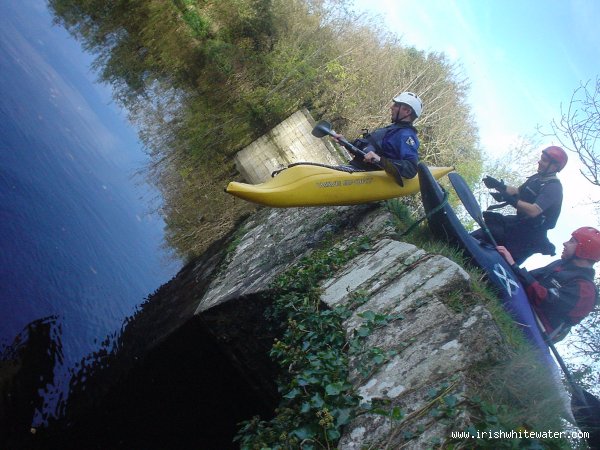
(79, 243)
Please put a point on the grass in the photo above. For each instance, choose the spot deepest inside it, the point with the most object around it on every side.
(515, 394)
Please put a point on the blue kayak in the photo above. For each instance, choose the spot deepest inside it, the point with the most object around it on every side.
(444, 224)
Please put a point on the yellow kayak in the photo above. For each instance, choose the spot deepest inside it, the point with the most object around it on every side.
(306, 184)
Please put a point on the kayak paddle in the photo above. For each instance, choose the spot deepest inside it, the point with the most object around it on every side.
(470, 203)
(323, 128)
(585, 406)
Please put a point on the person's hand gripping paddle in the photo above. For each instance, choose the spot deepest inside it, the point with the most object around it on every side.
(323, 128)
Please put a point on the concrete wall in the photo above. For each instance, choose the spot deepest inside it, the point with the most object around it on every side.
(289, 142)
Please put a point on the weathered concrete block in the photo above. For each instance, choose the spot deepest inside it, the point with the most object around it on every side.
(426, 343)
(270, 242)
(289, 142)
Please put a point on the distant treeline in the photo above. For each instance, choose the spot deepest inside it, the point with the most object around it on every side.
(202, 79)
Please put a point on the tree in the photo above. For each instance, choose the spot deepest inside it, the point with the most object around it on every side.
(578, 128)
(203, 79)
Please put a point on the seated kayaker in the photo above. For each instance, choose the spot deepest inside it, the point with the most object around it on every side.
(393, 148)
(563, 292)
(537, 203)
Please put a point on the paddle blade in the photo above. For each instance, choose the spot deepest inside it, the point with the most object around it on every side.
(586, 411)
(470, 203)
(321, 129)
(466, 196)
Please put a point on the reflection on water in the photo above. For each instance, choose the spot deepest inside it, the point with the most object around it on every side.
(79, 248)
(26, 370)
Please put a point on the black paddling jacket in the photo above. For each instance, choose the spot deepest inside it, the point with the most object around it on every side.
(561, 293)
(546, 192)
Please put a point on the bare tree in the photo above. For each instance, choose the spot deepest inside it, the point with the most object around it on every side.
(578, 129)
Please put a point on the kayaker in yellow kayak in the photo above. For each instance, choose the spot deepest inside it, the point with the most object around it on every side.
(395, 147)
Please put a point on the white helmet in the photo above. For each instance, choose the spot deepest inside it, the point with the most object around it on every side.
(411, 100)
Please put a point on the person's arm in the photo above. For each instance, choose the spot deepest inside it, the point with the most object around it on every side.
(510, 194)
(338, 137)
(407, 168)
(569, 303)
(585, 301)
(529, 209)
(404, 156)
(526, 278)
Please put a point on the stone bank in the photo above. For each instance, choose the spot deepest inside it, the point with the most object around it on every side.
(193, 362)
(432, 345)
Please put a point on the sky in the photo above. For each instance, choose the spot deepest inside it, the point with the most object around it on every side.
(524, 59)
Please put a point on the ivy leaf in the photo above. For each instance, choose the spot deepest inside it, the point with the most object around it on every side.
(363, 331)
(305, 432)
(317, 401)
(380, 411)
(308, 380)
(435, 412)
(333, 435)
(334, 388)
(378, 359)
(396, 413)
(408, 435)
(292, 394)
(431, 393)
(472, 430)
(367, 315)
(450, 401)
(343, 416)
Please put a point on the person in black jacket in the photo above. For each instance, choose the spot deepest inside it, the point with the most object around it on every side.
(393, 148)
(537, 202)
(563, 292)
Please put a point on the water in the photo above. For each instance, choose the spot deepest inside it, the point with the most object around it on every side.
(77, 239)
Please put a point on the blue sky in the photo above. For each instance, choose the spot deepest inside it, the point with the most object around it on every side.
(523, 60)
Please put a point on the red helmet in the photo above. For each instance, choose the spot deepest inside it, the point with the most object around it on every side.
(557, 155)
(588, 243)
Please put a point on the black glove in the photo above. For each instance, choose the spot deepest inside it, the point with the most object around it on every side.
(505, 197)
(510, 199)
(492, 183)
(497, 196)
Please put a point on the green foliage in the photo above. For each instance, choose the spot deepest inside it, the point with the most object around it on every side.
(316, 398)
(401, 214)
(198, 25)
(202, 80)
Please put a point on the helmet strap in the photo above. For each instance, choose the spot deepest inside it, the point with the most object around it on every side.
(401, 119)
